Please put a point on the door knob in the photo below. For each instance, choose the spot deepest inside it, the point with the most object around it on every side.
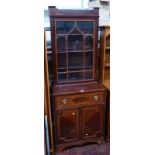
(96, 98)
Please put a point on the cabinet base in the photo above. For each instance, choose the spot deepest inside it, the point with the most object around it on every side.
(61, 147)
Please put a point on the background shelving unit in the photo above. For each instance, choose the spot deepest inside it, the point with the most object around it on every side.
(105, 70)
(105, 56)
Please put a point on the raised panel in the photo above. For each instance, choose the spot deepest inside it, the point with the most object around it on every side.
(92, 122)
(67, 125)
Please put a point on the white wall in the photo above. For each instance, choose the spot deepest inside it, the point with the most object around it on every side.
(67, 4)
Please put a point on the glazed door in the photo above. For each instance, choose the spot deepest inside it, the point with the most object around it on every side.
(75, 50)
(92, 122)
(67, 122)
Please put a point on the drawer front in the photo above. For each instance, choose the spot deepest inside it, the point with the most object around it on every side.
(79, 100)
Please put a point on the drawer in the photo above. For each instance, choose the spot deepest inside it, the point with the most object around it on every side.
(79, 100)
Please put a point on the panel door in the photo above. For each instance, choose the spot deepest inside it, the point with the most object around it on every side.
(92, 122)
(67, 122)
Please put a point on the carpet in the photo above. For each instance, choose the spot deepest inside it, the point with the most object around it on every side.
(91, 149)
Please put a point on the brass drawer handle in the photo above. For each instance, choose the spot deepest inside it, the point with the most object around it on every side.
(95, 98)
(81, 90)
(64, 101)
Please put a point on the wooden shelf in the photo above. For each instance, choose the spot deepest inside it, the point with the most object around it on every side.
(66, 34)
(78, 71)
(107, 65)
(105, 54)
(107, 48)
(77, 51)
(77, 67)
(107, 84)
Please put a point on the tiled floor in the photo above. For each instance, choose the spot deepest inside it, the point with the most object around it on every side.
(91, 149)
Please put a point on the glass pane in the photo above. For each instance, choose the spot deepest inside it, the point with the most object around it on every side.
(61, 60)
(62, 70)
(85, 26)
(88, 59)
(75, 59)
(76, 76)
(61, 44)
(88, 74)
(62, 77)
(89, 43)
(63, 27)
(75, 42)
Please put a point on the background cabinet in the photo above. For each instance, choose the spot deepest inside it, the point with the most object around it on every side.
(105, 71)
(105, 56)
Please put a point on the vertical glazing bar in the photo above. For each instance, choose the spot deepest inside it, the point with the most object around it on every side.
(66, 38)
(83, 56)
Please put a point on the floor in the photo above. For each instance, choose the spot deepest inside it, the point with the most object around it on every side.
(91, 149)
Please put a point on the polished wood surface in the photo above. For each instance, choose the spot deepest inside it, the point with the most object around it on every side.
(78, 88)
(67, 123)
(92, 123)
(81, 112)
(62, 13)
